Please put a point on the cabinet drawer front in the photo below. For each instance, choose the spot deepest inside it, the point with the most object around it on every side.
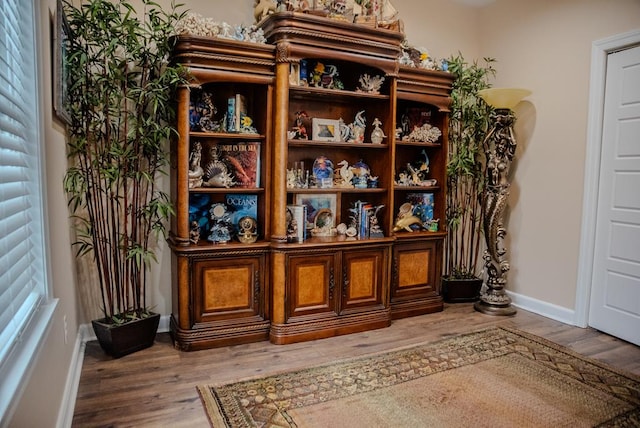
(227, 288)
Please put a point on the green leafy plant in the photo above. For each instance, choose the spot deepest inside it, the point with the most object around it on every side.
(120, 91)
(468, 124)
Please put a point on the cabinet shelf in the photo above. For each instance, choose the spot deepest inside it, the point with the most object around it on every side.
(416, 188)
(217, 190)
(418, 235)
(226, 135)
(334, 95)
(332, 241)
(338, 190)
(417, 144)
(232, 246)
(337, 144)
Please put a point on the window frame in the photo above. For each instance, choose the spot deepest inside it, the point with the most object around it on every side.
(24, 352)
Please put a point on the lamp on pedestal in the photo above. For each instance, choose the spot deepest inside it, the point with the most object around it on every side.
(500, 149)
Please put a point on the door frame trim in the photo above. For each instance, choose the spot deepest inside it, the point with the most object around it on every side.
(600, 49)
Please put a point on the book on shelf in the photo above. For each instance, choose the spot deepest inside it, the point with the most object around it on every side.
(296, 223)
(236, 111)
(422, 206)
(243, 159)
(240, 205)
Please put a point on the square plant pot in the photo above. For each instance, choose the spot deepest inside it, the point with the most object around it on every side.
(120, 340)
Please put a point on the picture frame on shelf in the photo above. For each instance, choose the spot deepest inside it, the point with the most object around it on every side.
(60, 72)
(315, 202)
(325, 129)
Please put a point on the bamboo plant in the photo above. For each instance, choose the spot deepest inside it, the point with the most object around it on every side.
(120, 91)
(468, 124)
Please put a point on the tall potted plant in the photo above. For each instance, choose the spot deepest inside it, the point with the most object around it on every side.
(119, 101)
(468, 126)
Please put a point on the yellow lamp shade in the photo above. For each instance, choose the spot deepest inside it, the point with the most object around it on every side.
(506, 98)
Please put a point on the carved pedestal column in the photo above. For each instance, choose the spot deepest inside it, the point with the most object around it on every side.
(500, 148)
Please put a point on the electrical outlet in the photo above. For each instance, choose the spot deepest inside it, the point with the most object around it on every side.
(66, 330)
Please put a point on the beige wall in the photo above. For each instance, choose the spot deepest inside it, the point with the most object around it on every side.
(545, 46)
(542, 45)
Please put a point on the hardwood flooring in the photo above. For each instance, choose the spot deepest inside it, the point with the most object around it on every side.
(156, 387)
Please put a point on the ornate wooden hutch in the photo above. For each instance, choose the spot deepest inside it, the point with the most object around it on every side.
(234, 292)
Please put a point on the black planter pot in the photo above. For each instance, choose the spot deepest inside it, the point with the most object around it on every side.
(120, 340)
(461, 290)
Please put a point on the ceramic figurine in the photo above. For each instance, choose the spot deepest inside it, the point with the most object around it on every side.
(345, 131)
(195, 170)
(406, 223)
(361, 173)
(375, 231)
(358, 127)
(216, 173)
(194, 232)
(377, 135)
(346, 175)
(263, 8)
(299, 131)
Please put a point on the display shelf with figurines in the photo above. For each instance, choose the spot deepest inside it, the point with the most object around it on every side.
(220, 171)
(325, 99)
(420, 161)
(334, 140)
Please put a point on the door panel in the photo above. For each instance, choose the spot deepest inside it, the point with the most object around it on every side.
(615, 295)
(227, 288)
(311, 282)
(364, 279)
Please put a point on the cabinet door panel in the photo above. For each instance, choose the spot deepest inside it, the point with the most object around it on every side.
(311, 280)
(227, 288)
(364, 278)
(415, 268)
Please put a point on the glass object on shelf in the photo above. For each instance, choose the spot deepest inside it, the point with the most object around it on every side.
(361, 172)
(221, 224)
(323, 172)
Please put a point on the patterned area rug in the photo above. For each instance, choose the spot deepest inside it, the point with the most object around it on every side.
(496, 377)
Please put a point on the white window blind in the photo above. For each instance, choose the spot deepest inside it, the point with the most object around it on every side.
(22, 269)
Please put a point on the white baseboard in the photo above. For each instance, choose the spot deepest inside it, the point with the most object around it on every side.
(545, 309)
(85, 334)
(65, 417)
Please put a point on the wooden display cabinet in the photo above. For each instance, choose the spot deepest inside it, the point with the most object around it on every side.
(328, 284)
(221, 285)
(331, 285)
(422, 97)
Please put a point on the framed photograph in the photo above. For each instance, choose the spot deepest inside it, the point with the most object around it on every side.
(316, 203)
(325, 129)
(60, 72)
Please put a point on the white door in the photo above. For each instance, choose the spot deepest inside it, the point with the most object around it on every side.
(615, 294)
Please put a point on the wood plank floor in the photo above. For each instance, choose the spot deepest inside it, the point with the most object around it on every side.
(156, 387)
